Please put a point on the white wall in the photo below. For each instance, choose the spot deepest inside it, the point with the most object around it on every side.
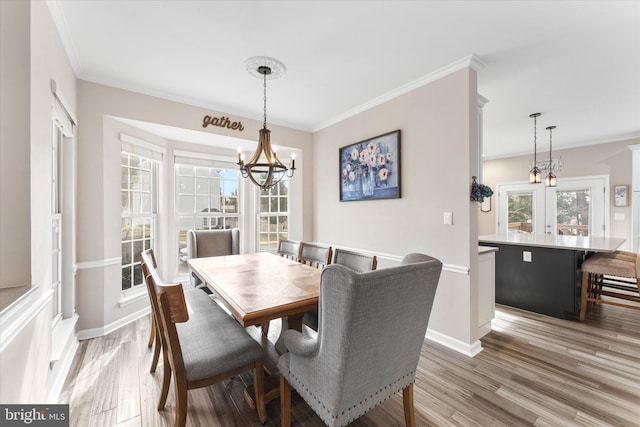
(99, 189)
(438, 124)
(613, 159)
(24, 362)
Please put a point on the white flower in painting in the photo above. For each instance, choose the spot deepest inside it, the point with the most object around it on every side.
(349, 167)
(354, 154)
(388, 156)
(381, 160)
(372, 160)
(363, 157)
(383, 174)
(371, 147)
(352, 176)
(344, 172)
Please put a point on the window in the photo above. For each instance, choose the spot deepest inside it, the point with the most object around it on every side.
(273, 216)
(138, 209)
(56, 223)
(206, 199)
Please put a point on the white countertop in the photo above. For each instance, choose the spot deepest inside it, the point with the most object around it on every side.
(486, 249)
(594, 244)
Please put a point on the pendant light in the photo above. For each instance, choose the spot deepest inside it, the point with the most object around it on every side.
(267, 171)
(535, 175)
(551, 179)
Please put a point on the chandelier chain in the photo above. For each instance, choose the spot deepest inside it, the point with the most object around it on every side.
(535, 144)
(264, 123)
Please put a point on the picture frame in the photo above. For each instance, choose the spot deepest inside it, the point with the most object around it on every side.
(621, 196)
(370, 169)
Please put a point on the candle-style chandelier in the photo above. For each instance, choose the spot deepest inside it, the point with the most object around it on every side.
(265, 171)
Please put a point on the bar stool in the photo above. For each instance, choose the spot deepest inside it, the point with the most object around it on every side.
(611, 275)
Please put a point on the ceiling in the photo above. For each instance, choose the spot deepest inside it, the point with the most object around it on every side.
(576, 62)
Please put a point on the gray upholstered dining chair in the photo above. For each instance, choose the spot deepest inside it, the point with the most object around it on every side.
(371, 331)
(206, 243)
(355, 261)
(289, 249)
(315, 255)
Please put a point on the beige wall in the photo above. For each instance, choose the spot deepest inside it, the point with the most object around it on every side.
(99, 187)
(613, 159)
(15, 133)
(24, 363)
(438, 124)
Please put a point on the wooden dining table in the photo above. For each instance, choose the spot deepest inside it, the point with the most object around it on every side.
(260, 287)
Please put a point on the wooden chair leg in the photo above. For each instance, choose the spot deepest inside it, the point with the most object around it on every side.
(583, 296)
(156, 353)
(181, 402)
(285, 403)
(407, 400)
(258, 390)
(153, 331)
(166, 380)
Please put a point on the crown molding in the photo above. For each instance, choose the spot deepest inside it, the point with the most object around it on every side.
(57, 14)
(469, 61)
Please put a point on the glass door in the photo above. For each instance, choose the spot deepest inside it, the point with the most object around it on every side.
(520, 209)
(576, 207)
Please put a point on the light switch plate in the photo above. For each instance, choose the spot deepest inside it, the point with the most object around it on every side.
(526, 256)
(448, 218)
(618, 216)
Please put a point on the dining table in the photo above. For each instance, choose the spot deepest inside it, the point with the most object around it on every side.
(260, 287)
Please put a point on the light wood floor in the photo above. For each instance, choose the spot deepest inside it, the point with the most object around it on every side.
(534, 371)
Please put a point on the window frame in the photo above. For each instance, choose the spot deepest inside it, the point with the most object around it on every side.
(150, 218)
(272, 245)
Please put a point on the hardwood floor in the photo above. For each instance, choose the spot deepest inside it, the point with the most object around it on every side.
(534, 371)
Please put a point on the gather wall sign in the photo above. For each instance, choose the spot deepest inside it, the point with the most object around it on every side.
(222, 122)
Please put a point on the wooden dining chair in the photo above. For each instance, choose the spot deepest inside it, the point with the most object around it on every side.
(205, 346)
(148, 262)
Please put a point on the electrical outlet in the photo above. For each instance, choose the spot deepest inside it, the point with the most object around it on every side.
(526, 256)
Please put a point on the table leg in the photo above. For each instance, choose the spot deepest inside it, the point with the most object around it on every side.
(272, 382)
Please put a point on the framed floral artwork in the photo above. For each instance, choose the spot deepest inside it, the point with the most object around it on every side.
(621, 195)
(370, 169)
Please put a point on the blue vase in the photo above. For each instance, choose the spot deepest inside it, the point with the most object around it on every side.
(368, 184)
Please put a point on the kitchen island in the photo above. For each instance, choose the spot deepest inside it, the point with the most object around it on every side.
(540, 272)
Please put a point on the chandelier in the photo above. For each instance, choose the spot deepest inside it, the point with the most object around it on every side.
(264, 168)
(535, 175)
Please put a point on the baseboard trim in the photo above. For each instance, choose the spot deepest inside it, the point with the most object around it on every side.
(58, 374)
(86, 334)
(461, 347)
